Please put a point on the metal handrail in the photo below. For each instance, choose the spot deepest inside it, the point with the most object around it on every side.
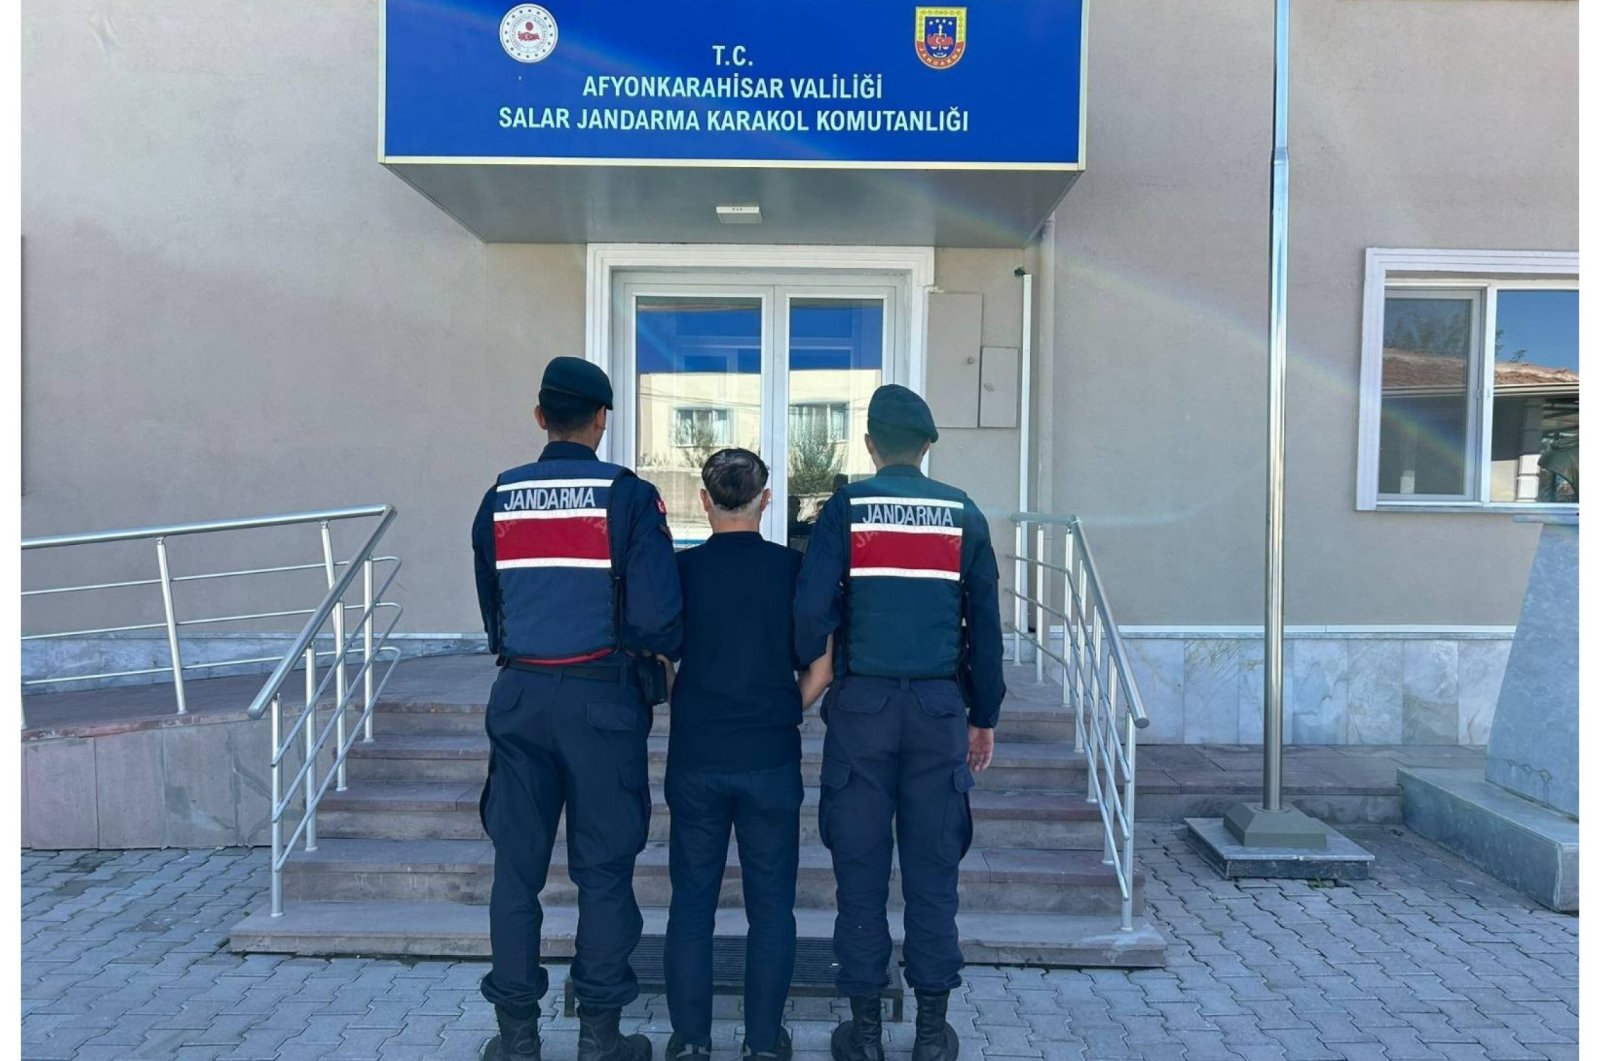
(174, 530)
(1096, 679)
(166, 580)
(304, 728)
(308, 632)
(332, 615)
(1118, 650)
(1076, 527)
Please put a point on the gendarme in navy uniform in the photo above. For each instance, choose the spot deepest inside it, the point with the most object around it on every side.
(579, 591)
(900, 571)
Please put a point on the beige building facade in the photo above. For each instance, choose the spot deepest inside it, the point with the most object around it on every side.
(231, 308)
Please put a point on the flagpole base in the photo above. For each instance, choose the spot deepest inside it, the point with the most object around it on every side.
(1252, 825)
(1280, 846)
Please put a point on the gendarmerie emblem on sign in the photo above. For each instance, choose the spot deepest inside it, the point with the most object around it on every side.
(528, 33)
(941, 36)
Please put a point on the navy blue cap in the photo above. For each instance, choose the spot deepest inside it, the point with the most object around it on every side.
(898, 407)
(577, 377)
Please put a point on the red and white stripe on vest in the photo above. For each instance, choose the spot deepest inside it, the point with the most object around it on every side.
(553, 560)
(903, 612)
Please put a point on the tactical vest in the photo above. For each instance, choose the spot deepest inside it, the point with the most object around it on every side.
(903, 587)
(553, 560)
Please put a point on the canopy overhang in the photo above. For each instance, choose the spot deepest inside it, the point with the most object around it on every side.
(534, 203)
(562, 123)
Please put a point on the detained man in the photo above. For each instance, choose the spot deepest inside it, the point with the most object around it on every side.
(733, 760)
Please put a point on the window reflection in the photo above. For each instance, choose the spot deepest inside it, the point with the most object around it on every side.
(699, 389)
(1534, 447)
(1450, 388)
(835, 363)
(1427, 355)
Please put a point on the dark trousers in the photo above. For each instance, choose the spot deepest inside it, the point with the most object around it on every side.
(895, 768)
(559, 741)
(763, 809)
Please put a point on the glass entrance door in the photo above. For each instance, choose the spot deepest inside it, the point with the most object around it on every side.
(835, 347)
(703, 361)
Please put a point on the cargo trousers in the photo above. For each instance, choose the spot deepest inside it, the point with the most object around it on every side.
(558, 742)
(894, 772)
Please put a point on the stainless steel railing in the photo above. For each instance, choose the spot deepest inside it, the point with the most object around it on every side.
(306, 783)
(1055, 579)
(304, 748)
(172, 623)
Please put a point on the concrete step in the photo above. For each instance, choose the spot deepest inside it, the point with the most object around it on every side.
(1000, 880)
(448, 810)
(446, 930)
(1027, 723)
(424, 757)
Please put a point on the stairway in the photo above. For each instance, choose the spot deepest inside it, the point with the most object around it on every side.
(403, 867)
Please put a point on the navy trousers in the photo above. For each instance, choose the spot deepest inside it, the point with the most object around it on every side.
(895, 768)
(558, 741)
(762, 808)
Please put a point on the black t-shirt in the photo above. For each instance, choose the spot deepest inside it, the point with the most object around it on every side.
(735, 705)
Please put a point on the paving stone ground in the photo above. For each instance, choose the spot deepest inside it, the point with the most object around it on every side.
(124, 956)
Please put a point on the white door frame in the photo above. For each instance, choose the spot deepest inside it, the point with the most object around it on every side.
(914, 264)
(775, 292)
(777, 268)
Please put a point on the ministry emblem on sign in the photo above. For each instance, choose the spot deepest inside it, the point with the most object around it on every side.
(941, 36)
(528, 33)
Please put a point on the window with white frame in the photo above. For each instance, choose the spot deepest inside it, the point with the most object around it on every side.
(701, 426)
(1469, 395)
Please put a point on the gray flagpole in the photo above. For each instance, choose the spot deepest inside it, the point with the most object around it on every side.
(1268, 824)
(1267, 839)
(1277, 357)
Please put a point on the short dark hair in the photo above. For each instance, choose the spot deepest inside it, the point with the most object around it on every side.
(734, 478)
(897, 445)
(565, 414)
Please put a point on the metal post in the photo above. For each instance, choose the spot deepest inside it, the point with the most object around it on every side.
(1277, 357)
(1129, 792)
(1269, 824)
(1040, 625)
(172, 625)
(338, 660)
(1024, 443)
(1019, 580)
(310, 723)
(277, 795)
(1109, 857)
(1068, 659)
(366, 649)
(1025, 413)
(1075, 630)
(1091, 696)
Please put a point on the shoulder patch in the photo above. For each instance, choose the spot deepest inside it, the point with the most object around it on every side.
(661, 506)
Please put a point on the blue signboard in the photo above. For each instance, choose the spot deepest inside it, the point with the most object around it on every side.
(826, 82)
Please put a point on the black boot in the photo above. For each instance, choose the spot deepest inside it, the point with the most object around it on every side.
(861, 1037)
(783, 1050)
(936, 1040)
(681, 1049)
(599, 1039)
(518, 1039)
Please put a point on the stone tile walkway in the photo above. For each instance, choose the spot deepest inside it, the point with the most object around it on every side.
(124, 957)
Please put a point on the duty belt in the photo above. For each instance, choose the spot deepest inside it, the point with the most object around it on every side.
(598, 672)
